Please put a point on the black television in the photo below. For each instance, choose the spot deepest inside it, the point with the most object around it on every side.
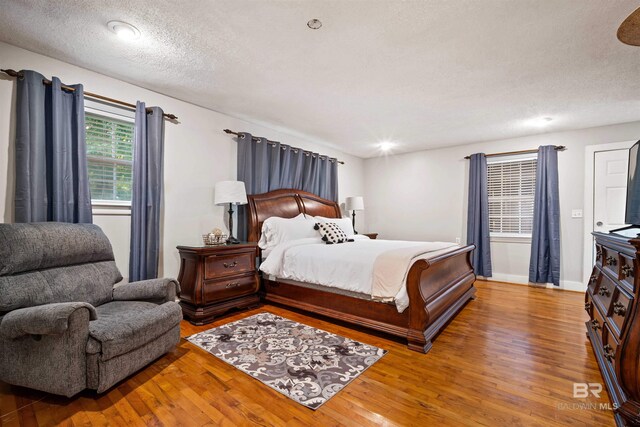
(632, 213)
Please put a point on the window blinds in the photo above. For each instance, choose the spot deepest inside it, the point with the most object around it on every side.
(511, 188)
(109, 157)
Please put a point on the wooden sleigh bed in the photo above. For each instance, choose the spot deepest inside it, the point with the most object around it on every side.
(438, 287)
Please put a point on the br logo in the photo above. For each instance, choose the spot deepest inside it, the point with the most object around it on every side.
(582, 390)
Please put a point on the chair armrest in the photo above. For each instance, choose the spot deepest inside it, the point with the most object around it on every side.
(153, 290)
(48, 319)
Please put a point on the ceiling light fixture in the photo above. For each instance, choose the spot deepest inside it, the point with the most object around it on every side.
(540, 121)
(386, 145)
(123, 30)
(314, 24)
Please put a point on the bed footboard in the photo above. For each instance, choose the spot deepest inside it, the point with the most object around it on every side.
(437, 288)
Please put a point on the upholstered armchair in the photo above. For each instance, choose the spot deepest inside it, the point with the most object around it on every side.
(64, 326)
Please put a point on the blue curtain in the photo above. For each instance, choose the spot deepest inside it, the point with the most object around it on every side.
(146, 196)
(478, 215)
(544, 266)
(265, 166)
(51, 155)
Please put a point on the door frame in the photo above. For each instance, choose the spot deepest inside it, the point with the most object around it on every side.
(589, 169)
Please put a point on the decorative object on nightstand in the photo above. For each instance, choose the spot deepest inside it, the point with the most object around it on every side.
(216, 279)
(232, 192)
(371, 235)
(355, 203)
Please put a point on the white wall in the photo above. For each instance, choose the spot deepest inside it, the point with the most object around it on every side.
(197, 155)
(422, 196)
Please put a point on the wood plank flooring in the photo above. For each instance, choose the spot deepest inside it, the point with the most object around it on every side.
(510, 358)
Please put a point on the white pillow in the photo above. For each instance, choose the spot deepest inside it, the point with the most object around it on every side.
(276, 230)
(344, 223)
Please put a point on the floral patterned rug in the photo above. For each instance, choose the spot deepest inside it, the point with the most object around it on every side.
(306, 364)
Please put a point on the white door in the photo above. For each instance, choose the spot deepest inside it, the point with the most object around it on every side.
(609, 189)
(605, 183)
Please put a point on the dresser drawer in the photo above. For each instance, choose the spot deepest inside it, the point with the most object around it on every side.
(220, 290)
(604, 292)
(593, 279)
(627, 271)
(609, 345)
(588, 305)
(217, 266)
(599, 255)
(611, 261)
(619, 311)
(596, 324)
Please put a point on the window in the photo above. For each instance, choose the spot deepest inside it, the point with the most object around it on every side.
(109, 158)
(511, 188)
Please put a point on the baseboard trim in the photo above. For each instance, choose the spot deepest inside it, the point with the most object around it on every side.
(565, 285)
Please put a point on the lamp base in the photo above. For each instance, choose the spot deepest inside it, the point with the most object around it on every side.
(232, 241)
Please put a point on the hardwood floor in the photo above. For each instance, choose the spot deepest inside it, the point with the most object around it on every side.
(509, 358)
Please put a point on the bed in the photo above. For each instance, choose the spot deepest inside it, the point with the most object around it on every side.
(437, 288)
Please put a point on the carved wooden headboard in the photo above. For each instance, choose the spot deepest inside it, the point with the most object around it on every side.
(286, 204)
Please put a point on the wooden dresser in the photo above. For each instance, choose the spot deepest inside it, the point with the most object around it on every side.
(614, 325)
(215, 279)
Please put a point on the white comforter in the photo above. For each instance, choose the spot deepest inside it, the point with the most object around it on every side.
(348, 266)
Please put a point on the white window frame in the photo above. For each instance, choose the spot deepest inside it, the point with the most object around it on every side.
(109, 207)
(510, 237)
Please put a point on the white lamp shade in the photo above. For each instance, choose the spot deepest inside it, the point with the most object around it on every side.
(355, 203)
(230, 192)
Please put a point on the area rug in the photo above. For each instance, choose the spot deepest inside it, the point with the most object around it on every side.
(306, 364)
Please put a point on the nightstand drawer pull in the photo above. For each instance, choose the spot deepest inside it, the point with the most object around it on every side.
(233, 264)
(619, 309)
(603, 291)
(611, 261)
(233, 284)
(609, 353)
(595, 325)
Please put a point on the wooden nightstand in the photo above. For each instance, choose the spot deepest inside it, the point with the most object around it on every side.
(370, 235)
(215, 279)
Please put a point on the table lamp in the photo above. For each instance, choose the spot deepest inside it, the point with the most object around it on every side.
(232, 192)
(354, 204)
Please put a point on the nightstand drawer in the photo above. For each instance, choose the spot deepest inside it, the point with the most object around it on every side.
(220, 290)
(217, 266)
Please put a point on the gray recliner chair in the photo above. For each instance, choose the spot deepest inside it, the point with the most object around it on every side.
(64, 326)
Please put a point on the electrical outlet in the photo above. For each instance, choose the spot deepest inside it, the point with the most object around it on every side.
(457, 240)
(576, 213)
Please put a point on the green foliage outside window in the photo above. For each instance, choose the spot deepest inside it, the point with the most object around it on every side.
(110, 157)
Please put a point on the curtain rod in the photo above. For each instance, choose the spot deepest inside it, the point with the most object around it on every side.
(258, 139)
(16, 74)
(513, 153)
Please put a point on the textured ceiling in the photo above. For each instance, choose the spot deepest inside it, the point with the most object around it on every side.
(424, 73)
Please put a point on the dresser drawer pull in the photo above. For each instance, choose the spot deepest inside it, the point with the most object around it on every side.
(598, 253)
(603, 291)
(233, 264)
(619, 309)
(233, 284)
(593, 278)
(595, 325)
(587, 306)
(611, 261)
(608, 352)
(627, 271)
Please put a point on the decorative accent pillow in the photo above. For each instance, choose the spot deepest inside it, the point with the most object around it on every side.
(331, 233)
(344, 223)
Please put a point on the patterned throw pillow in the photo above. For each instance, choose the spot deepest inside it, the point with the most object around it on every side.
(331, 233)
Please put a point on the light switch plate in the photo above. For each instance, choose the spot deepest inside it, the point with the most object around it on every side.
(576, 213)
